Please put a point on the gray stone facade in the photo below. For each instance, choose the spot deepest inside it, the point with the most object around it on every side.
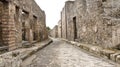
(64, 24)
(59, 29)
(21, 20)
(92, 22)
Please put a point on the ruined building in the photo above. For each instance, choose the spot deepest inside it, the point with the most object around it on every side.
(54, 32)
(21, 21)
(94, 22)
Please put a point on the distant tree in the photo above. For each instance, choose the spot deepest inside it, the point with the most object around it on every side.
(48, 28)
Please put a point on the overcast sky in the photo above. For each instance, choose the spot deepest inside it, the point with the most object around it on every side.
(52, 9)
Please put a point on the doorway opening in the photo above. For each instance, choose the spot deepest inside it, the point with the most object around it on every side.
(75, 28)
(35, 32)
(24, 29)
(104, 0)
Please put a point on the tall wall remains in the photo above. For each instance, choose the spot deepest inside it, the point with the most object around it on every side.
(92, 22)
(21, 21)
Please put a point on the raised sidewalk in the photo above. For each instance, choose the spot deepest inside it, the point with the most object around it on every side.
(112, 54)
(16, 57)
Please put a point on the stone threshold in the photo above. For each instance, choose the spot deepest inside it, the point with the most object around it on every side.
(111, 54)
(15, 58)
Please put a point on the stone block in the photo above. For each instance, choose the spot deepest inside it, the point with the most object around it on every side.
(78, 44)
(113, 56)
(86, 47)
(73, 42)
(2, 64)
(96, 49)
(118, 59)
(106, 53)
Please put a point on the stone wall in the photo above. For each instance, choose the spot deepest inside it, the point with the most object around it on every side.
(65, 19)
(89, 22)
(92, 22)
(59, 29)
(64, 24)
(54, 32)
(21, 21)
(69, 20)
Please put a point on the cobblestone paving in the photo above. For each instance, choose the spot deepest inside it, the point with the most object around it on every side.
(62, 54)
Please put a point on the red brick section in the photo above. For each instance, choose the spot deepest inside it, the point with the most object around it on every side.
(8, 25)
(11, 29)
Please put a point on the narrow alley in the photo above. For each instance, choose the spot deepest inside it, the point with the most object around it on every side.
(62, 54)
(60, 33)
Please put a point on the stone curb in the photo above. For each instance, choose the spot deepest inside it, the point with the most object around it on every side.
(15, 58)
(37, 49)
(113, 55)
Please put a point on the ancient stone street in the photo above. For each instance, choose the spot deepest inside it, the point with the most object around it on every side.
(62, 54)
(60, 33)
